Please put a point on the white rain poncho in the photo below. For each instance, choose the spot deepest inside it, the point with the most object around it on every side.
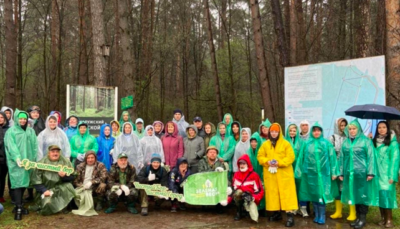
(149, 145)
(182, 125)
(128, 144)
(241, 148)
(11, 120)
(50, 137)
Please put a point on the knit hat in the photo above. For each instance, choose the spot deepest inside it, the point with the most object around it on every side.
(155, 157)
(274, 127)
(22, 115)
(178, 111)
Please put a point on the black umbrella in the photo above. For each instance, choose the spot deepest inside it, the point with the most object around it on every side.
(373, 111)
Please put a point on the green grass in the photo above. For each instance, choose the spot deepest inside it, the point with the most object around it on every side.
(91, 112)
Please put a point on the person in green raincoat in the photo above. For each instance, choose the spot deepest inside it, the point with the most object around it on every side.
(54, 190)
(252, 152)
(140, 131)
(125, 117)
(317, 169)
(228, 120)
(81, 143)
(263, 131)
(225, 145)
(358, 169)
(387, 149)
(20, 143)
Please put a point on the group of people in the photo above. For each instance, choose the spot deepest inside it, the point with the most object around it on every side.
(277, 171)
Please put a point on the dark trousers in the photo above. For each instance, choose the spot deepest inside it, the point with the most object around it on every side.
(18, 194)
(3, 174)
(361, 209)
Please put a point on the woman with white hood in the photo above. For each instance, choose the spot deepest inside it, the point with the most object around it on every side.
(10, 115)
(128, 143)
(150, 144)
(304, 130)
(52, 135)
(241, 147)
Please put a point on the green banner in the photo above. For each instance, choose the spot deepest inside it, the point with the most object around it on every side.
(206, 188)
(127, 102)
(158, 190)
(53, 168)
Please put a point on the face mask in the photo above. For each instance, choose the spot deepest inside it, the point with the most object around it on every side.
(244, 169)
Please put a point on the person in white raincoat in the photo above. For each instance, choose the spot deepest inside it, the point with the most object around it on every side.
(241, 147)
(52, 135)
(128, 143)
(150, 144)
(179, 119)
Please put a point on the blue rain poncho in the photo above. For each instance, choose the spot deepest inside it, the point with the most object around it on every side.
(69, 130)
(106, 144)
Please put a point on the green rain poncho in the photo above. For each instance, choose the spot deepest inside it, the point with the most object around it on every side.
(80, 144)
(357, 161)
(226, 147)
(121, 120)
(63, 192)
(316, 165)
(388, 164)
(228, 126)
(19, 144)
(295, 142)
(258, 134)
(256, 167)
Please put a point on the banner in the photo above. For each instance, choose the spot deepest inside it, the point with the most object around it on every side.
(158, 190)
(206, 188)
(93, 105)
(27, 164)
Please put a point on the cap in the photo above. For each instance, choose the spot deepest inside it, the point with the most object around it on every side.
(122, 155)
(155, 157)
(197, 119)
(242, 162)
(54, 147)
(139, 120)
(210, 148)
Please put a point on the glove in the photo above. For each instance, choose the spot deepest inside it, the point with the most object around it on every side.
(151, 176)
(219, 169)
(101, 188)
(111, 151)
(114, 188)
(229, 191)
(80, 157)
(125, 189)
(19, 163)
(118, 192)
(273, 170)
(87, 185)
(182, 200)
(224, 203)
(167, 168)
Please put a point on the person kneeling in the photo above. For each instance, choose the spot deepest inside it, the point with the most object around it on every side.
(92, 175)
(248, 189)
(152, 174)
(177, 178)
(55, 189)
(120, 184)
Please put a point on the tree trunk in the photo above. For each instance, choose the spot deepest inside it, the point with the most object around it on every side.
(222, 23)
(98, 40)
(18, 29)
(280, 33)
(213, 60)
(11, 53)
(286, 11)
(54, 31)
(301, 34)
(363, 18)
(342, 29)
(261, 60)
(293, 33)
(380, 29)
(83, 74)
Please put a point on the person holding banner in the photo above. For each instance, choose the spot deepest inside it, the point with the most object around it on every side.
(125, 117)
(115, 126)
(52, 135)
(54, 190)
(120, 184)
(36, 116)
(210, 131)
(247, 188)
(177, 178)
(152, 174)
(81, 143)
(20, 143)
(387, 149)
(172, 144)
(194, 148)
(276, 156)
(150, 144)
(128, 143)
(210, 162)
(241, 147)
(106, 144)
(358, 169)
(158, 129)
(71, 126)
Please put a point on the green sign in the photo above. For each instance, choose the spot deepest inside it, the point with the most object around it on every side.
(127, 102)
(158, 190)
(53, 168)
(206, 188)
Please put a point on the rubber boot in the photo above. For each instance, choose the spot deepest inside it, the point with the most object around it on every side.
(303, 211)
(110, 209)
(354, 223)
(316, 211)
(321, 213)
(338, 212)
(18, 213)
(361, 223)
(239, 212)
(276, 216)
(131, 208)
(352, 215)
(144, 212)
(290, 220)
(383, 217)
(25, 211)
(99, 204)
(389, 218)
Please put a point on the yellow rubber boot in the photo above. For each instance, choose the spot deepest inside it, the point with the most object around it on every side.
(338, 213)
(352, 215)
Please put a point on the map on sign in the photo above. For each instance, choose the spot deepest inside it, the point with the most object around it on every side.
(322, 92)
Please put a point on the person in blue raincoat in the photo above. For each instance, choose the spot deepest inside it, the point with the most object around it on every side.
(106, 143)
(71, 126)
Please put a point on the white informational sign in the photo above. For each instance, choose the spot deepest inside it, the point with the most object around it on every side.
(322, 92)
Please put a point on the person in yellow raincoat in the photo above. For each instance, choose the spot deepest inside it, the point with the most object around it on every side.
(276, 155)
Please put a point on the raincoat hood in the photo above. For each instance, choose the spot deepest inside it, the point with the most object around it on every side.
(337, 126)
(59, 115)
(87, 129)
(180, 161)
(67, 121)
(280, 136)
(147, 128)
(241, 148)
(226, 129)
(162, 125)
(191, 127)
(305, 122)
(240, 129)
(359, 129)
(248, 132)
(102, 128)
(7, 123)
(123, 127)
(213, 130)
(230, 123)
(16, 114)
(90, 152)
(3, 109)
(319, 126)
(176, 131)
(246, 158)
(287, 135)
(47, 123)
(121, 119)
(266, 123)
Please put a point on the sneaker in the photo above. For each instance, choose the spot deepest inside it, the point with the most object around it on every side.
(303, 211)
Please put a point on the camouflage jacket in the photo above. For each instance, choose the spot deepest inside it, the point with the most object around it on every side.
(99, 174)
(204, 166)
(113, 176)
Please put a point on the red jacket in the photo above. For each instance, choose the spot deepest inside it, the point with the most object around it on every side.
(251, 184)
(172, 145)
